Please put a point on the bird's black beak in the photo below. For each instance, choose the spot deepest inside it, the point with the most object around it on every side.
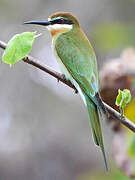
(43, 23)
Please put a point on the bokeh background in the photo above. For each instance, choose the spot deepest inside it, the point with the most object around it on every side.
(44, 128)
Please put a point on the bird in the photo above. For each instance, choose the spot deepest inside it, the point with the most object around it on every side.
(77, 61)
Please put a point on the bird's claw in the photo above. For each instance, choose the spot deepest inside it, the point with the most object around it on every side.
(76, 91)
(63, 77)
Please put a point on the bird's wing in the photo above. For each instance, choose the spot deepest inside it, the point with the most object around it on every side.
(79, 58)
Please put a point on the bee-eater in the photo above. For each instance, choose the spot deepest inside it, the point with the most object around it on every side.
(77, 61)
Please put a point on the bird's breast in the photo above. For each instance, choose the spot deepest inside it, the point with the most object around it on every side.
(62, 67)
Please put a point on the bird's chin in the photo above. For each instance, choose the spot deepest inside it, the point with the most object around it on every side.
(59, 27)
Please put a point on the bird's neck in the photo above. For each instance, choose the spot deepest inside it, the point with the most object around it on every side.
(55, 32)
(59, 29)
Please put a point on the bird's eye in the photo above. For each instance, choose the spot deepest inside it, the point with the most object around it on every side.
(61, 21)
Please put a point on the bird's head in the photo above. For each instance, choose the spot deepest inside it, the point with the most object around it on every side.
(59, 22)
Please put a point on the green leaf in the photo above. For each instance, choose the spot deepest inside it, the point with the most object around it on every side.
(18, 47)
(127, 96)
(119, 98)
(123, 98)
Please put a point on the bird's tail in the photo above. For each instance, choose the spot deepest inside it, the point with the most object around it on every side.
(95, 126)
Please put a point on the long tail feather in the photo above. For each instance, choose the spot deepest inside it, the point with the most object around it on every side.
(95, 126)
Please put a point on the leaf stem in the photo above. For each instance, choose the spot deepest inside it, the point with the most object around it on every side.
(122, 113)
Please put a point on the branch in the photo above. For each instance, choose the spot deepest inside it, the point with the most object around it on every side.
(45, 68)
(59, 76)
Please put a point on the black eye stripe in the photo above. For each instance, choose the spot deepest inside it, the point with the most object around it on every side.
(61, 21)
(58, 21)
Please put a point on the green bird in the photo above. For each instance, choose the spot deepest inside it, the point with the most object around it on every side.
(77, 61)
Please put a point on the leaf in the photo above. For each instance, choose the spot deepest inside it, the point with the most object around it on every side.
(130, 111)
(18, 47)
(119, 98)
(127, 96)
(123, 98)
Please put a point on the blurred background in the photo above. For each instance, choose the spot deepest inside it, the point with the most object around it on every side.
(44, 126)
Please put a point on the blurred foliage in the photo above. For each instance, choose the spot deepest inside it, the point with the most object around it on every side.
(120, 176)
(130, 111)
(115, 175)
(131, 148)
(109, 36)
(133, 83)
(95, 176)
(130, 136)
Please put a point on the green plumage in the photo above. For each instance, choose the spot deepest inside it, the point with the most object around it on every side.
(77, 55)
(95, 125)
(77, 62)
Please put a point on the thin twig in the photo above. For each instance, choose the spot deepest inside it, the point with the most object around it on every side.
(116, 115)
(59, 76)
(45, 68)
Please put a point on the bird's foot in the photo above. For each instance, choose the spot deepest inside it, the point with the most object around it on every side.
(25, 59)
(63, 77)
(76, 91)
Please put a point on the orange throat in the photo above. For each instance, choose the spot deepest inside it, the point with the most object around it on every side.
(58, 31)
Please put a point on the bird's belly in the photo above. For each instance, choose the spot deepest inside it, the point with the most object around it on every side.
(68, 76)
(63, 69)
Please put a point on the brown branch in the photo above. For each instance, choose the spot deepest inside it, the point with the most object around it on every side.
(49, 70)
(45, 68)
(59, 76)
(116, 115)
